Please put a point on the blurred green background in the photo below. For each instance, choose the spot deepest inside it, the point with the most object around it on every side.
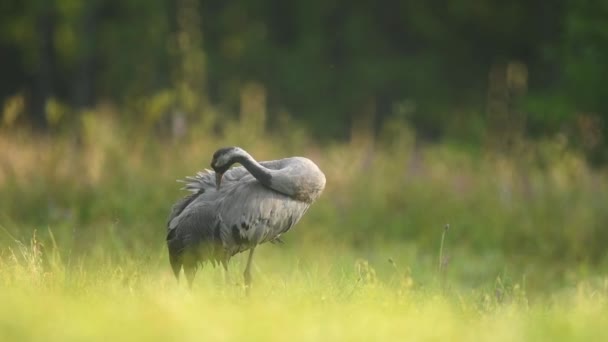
(489, 116)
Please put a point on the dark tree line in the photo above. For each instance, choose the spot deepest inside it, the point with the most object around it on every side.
(446, 66)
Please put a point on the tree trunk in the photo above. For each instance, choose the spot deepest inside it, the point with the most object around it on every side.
(84, 84)
(43, 83)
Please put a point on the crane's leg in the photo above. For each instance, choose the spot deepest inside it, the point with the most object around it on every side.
(247, 273)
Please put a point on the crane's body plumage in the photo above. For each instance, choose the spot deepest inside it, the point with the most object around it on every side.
(256, 203)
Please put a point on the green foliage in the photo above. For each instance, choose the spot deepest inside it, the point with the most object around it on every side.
(129, 96)
(539, 211)
(331, 294)
(321, 62)
(82, 228)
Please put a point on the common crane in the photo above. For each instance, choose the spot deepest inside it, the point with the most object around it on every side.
(231, 210)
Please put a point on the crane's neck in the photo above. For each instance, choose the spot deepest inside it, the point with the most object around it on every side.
(262, 174)
(280, 180)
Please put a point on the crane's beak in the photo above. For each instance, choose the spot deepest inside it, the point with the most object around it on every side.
(218, 180)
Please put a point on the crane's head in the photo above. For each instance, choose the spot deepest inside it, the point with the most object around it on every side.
(222, 160)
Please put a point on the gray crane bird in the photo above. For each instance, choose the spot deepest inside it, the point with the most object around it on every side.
(231, 210)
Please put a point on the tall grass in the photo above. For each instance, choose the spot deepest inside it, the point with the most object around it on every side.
(105, 181)
(306, 299)
(82, 255)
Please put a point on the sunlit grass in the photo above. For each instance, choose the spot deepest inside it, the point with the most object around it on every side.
(524, 258)
(334, 296)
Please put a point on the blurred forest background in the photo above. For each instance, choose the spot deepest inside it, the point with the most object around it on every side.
(457, 70)
(488, 115)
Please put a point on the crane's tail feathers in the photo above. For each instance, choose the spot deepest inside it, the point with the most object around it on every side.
(176, 265)
(201, 181)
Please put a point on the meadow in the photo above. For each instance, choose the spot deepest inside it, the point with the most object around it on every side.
(82, 253)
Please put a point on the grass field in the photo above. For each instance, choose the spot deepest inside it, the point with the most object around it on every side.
(82, 254)
(319, 294)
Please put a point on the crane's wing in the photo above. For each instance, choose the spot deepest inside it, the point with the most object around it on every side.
(202, 188)
(181, 204)
(196, 230)
(250, 214)
(242, 214)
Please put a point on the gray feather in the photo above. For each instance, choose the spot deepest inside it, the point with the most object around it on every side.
(214, 225)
